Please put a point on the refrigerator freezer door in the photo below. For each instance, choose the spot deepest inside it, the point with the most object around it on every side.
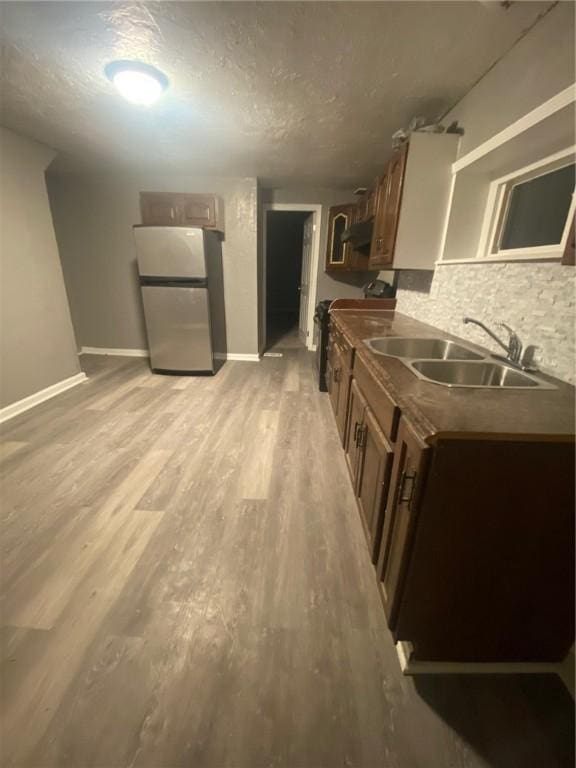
(170, 251)
(178, 325)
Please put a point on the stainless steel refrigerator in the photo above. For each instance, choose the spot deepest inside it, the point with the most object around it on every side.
(182, 286)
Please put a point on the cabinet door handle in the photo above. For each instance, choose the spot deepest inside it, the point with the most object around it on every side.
(336, 374)
(362, 431)
(172, 213)
(356, 425)
(406, 477)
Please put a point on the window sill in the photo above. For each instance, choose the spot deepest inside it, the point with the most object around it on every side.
(499, 260)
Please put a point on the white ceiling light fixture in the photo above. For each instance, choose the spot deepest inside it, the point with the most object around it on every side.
(139, 83)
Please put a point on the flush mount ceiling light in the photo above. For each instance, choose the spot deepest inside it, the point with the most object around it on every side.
(138, 82)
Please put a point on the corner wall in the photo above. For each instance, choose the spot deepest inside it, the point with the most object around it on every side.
(535, 298)
(93, 218)
(37, 346)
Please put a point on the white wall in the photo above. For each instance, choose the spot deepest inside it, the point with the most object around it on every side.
(540, 65)
(536, 299)
(37, 346)
(93, 218)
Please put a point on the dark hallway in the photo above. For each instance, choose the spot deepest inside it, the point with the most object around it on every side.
(284, 238)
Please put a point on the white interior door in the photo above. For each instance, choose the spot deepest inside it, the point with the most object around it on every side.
(305, 277)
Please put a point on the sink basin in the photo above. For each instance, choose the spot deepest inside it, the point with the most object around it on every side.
(431, 349)
(484, 374)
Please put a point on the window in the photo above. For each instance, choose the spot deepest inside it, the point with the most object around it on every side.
(528, 212)
(537, 210)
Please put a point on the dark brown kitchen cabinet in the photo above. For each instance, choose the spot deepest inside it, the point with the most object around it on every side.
(408, 476)
(369, 456)
(366, 205)
(198, 210)
(342, 257)
(389, 198)
(356, 408)
(339, 387)
(338, 378)
(374, 469)
(337, 252)
(179, 209)
(471, 567)
(158, 209)
(334, 367)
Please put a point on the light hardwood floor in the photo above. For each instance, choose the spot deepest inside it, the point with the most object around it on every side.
(185, 582)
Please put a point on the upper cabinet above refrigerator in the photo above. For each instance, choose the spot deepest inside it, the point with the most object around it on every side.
(177, 209)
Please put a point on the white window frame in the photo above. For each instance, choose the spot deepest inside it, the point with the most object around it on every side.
(496, 208)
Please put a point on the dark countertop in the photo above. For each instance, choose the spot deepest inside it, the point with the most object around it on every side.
(438, 411)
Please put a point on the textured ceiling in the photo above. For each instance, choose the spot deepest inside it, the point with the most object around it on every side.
(289, 92)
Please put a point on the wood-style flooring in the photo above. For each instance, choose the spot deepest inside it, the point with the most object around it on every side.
(185, 583)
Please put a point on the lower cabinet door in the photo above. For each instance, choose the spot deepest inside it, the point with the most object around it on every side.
(408, 477)
(356, 408)
(333, 374)
(343, 402)
(374, 470)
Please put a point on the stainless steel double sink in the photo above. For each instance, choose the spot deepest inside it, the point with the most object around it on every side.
(453, 364)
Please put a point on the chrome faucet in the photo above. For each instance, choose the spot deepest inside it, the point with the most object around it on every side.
(513, 348)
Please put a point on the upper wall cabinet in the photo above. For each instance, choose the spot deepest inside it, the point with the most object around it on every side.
(412, 203)
(387, 210)
(366, 206)
(176, 209)
(341, 257)
(407, 206)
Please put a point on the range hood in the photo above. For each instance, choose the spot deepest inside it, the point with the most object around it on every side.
(359, 234)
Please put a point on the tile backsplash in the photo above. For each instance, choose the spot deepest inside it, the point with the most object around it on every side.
(535, 299)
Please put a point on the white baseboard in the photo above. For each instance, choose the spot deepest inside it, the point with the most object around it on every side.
(410, 666)
(14, 409)
(253, 358)
(114, 352)
(246, 357)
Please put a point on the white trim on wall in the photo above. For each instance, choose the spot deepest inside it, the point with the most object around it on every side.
(316, 210)
(248, 357)
(14, 409)
(538, 115)
(114, 352)
(241, 356)
(499, 259)
(497, 204)
(413, 667)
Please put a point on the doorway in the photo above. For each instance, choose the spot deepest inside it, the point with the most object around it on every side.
(291, 263)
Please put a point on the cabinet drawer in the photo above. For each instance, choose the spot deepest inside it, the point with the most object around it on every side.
(385, 409)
